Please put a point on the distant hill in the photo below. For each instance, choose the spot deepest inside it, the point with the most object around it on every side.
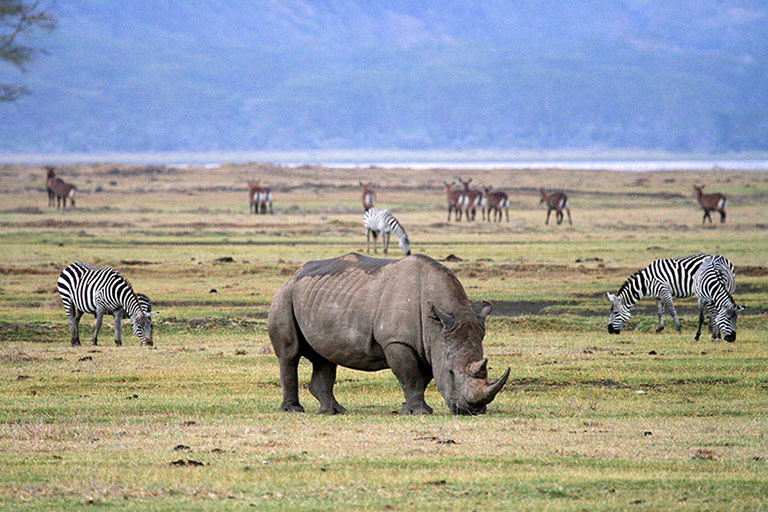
(689, 75)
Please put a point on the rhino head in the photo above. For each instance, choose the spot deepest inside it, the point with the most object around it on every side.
(458, 365)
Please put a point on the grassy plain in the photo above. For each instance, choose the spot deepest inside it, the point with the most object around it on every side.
(588, 421)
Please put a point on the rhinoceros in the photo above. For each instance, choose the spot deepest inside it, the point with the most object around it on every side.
(411, 315)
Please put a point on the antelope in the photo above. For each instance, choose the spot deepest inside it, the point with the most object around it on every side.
(369, 196)
(470, 199)
(452, 197)
(50, 178)
(557, 201)
(496, 201)
(710, 202)
(63, 191)
(258, 197)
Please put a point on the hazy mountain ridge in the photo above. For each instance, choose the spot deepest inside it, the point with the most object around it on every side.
(173, 75)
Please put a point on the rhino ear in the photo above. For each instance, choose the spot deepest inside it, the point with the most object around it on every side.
(447, 320)
(484, 310)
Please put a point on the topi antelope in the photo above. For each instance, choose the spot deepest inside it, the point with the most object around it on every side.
(62, 191)
(259, 197)
(709, 203)
(496, 201)
(369, 196)
(469, 200)
(557, 201)
(452, 197)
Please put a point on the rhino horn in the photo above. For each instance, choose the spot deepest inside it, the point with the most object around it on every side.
(493, 388)
(478, 369)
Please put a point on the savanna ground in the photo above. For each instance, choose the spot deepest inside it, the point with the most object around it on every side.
(588, 421)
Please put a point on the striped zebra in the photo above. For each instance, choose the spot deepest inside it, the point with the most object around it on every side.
(85, 288)
(663, 279)
(379, 220)
(710, 283)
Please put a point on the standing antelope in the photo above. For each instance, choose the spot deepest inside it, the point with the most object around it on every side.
(496, 201)
(709, 203)
(369, 196)
(379, 220)
(259, 197)
(557, 201)
(469, 200)
(50, 178)
(63, 191)
(452, 196)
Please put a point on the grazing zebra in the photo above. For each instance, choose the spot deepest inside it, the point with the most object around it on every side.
(452, 196)
(663, 279)
(87, 289)
(557, 201)
(369, 196)
(714, 202)
(711, 285)
(378, 220)
(496, 201)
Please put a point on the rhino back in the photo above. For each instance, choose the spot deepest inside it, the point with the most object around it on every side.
(349, 308)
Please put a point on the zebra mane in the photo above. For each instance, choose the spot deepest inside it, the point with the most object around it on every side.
(626, 288)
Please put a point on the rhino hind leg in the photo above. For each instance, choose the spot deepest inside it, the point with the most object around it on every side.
(321, 386)
(285, 338)
(411, 376)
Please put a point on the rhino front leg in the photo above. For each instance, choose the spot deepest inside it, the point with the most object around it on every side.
(405, 365)
(321, 387)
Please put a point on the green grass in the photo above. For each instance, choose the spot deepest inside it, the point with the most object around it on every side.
(587, 421)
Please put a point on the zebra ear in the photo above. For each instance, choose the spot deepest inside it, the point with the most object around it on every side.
(740, 308)
(152, 313)
(611, 297)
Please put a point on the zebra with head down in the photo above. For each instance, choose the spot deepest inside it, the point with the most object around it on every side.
(663, 279)
(85, 288)
(710, 286)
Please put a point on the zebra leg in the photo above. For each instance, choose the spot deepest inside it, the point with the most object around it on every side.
(673, 312)
(660, 307)
(367, 240)
(321, 386)
(74, 326)
(385, 241)
(97, 327)
(701, 321)
(119, 328)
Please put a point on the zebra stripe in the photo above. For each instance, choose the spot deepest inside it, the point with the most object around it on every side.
(379, 220)
(85, 288)
(711, 285)
(663, 280)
